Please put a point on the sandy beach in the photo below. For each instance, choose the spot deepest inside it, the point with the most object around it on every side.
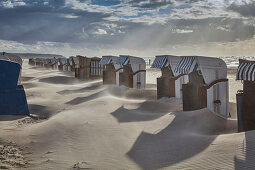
(85, 125)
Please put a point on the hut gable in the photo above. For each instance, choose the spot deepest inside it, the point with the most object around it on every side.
(166, 61)
(136, 63)
(212, 68)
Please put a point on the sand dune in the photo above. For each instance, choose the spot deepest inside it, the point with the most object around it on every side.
(85, 125)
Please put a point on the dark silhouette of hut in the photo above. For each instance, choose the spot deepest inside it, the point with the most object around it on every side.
(207, 84)
(246, 97)
(165, 83)
(31, 61)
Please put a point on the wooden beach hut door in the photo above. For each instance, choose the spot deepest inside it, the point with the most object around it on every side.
(190, 91)
(165, 86)
(248, 105)
(109, 75)
(131, 80)
(84, 68)
(124, 77)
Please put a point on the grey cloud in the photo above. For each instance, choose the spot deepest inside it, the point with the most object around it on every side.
(45, 23)
(158, 3)
(150, 3)
(246, 10)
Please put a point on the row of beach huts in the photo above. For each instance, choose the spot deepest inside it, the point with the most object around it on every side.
(200, 82)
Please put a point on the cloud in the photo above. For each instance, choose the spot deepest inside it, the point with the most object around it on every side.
(100, 32)
(130, 25)
(246, 9)
(12, 3)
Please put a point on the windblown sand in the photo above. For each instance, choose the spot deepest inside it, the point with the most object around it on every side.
(85, 125)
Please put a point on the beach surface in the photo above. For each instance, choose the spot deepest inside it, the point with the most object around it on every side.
(85, 125)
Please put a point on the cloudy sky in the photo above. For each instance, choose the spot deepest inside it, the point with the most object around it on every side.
(135, 27)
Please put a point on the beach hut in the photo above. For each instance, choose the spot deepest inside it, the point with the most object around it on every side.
(207, 85)
(31, 61)
(110, 69)
(47, 63)
(88, 68)
(38, 62)
(166, 83)
(246, 97)
(72, 63)
(62, 64)
(12, 96)
(13, 58)
(54, 63)
(132, 72)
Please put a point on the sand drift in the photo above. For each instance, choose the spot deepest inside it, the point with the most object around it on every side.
(88, 125)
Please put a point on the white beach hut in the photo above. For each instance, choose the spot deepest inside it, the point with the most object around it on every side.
(111, 69)
(166, 83)
(132, 72)
(207, 83)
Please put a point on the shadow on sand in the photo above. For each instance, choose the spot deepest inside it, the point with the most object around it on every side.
(94, 86)
(146, 111)
(59, 80)
(79, 100)
(11, 117)
(24, 78)
(42, 112)
(187, 135)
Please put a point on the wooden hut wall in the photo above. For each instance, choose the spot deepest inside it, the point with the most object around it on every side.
(248, 105)
(190, 91)
(60, 66)
(164, 83)
(31, 62)
(124, 77)
(83, 70)
(184, 79)
(109, 74)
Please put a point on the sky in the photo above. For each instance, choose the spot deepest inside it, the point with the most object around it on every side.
(135, 27)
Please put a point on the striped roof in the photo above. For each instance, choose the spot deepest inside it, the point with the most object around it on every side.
(123, 60)
(246, 71)
(186, 65)
(105, 60)
(159, 62)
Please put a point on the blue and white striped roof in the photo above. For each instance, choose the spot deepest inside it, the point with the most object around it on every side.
(123, 60)
(159, 62)
(105, 60)
(246, 71)
(186, 65)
